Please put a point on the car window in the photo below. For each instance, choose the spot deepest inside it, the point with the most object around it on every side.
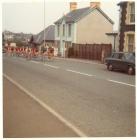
(130, 56)
(121, 56)
(115, 55)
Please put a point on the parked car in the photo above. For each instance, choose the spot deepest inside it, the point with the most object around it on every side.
(121, 61)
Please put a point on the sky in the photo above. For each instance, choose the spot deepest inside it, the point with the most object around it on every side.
(27, 16)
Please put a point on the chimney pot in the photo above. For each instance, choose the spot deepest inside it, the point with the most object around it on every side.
(73, 6)
(94, 4)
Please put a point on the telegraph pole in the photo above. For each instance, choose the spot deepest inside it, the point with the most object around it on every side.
(44, 23)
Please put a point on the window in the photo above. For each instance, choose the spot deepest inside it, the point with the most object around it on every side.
(121, 56)
(118, 55)
(115, 55)
(63, 29)
(69, 30)
(130, 56)
(132, 12)
(131, 42)
(58, 30)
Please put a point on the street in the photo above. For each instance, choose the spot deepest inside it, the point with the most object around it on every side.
(98, 103)
(23, 117)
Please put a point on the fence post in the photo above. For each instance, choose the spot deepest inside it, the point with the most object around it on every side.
(102, 54)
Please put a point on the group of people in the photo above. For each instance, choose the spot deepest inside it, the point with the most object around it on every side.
(45, 52)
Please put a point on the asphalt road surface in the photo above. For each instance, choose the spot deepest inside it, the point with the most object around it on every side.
(97, 102)
(24, 117)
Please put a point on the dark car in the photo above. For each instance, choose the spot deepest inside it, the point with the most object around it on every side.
(121, 61)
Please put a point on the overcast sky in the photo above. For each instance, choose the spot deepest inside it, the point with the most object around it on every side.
(28, 15)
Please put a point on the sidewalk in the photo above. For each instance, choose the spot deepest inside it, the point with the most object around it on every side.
(81, 60)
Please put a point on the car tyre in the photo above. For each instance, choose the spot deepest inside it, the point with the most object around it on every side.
(130, 70)
(110, 67)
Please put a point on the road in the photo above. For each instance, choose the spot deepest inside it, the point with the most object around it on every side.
(23, 117)
(95, 101)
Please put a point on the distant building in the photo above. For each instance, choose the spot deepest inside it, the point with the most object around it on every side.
(82, 26)
(12, 44)
(8, 36)
(19, 38)
(48, 38)
(127, 26)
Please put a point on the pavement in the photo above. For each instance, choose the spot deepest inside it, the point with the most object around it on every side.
(98, 102)
(87, 61)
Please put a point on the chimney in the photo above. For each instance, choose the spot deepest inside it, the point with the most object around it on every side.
(94, 4)
(73, 6)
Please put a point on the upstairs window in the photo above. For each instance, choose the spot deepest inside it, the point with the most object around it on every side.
(131, 43)
(69, 30)
(132, 12)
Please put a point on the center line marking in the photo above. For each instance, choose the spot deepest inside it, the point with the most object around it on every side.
(47, 107)
(109, 80)
(35, 62)
(79, 72)
(56, 67)
(120, 82)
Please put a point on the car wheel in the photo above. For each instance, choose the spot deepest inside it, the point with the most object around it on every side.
(130, 70)
(110, 67)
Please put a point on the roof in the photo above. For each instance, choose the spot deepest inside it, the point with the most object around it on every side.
(77, 14)
(49, 35)
(114, 33)
(121, 3)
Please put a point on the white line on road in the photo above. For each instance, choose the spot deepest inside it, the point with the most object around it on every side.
(35, 62)
(90, 75)
(79, 72)
(47, 107)
(120, 83)
(100, 78)
(56, 67)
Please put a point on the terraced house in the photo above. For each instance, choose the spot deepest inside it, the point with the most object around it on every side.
(82, 26)
(127, 26)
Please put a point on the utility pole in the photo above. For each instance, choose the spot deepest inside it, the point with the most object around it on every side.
(44, 24)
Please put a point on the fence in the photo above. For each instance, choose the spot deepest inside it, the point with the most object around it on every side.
(89, 51)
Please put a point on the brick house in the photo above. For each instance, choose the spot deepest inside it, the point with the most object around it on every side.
(127, 26)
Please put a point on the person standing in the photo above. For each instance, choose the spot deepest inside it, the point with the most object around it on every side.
(44, 53)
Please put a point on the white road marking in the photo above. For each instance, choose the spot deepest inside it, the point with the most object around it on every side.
(90, 75)
(120, 82)
(47, 107)
(19, 58)
(56, 67)
(35, 62)
(79, 72)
